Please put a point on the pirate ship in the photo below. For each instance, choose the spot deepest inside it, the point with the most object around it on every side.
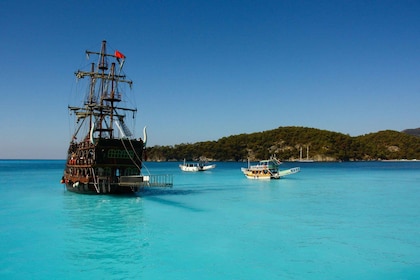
(104, 156)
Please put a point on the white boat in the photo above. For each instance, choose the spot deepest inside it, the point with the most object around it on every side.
(195, 167)
(267, 169)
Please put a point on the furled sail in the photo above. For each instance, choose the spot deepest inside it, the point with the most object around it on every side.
(144, 136)
(92, 130)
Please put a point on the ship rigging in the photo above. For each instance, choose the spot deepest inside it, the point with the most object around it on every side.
(104, 157)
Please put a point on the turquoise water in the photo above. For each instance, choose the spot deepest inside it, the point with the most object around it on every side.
(330, 221)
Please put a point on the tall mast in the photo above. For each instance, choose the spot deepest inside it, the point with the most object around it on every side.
(102, 66)
(111, 98)
(300, 154)
(100, 106)
(91, 99)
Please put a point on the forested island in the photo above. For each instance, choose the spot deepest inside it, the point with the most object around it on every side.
(287, 142)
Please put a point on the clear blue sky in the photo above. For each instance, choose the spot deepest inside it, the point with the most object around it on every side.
(203, 70)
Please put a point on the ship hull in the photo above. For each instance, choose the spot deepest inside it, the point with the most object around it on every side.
(104, 167)
(91, 189)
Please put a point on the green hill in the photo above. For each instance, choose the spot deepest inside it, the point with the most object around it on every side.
(412, 131)
(285, 143)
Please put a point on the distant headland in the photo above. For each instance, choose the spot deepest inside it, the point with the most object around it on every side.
(288, 142)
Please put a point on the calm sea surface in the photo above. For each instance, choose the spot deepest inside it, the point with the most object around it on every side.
(330, 221)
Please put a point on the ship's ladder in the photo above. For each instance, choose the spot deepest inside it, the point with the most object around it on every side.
(123, 128)
(134, 150)
(126, 130)
(95, 183)
(137, 156)
(153, 180)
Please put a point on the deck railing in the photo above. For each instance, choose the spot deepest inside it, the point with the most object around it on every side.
(161, 180)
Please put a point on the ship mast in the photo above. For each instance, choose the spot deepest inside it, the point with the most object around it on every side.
(103, 95)
(102, 66)
(91, 100)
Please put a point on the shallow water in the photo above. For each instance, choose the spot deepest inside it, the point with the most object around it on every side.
(330, 221)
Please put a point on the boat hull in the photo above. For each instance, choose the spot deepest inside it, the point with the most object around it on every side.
(90, 188)
(196, 167)
(260, 177)
(189, 168)
(104, 167)
(260, 174)
(208, 167)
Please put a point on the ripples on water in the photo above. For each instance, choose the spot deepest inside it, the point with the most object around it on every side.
(331, 221)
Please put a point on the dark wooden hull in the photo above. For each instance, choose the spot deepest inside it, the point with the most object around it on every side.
(99, 168)
(91, 189)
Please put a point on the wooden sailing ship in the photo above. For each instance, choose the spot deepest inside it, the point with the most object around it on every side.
(104, 157)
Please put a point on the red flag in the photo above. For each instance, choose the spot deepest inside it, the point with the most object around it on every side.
(119, 55)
